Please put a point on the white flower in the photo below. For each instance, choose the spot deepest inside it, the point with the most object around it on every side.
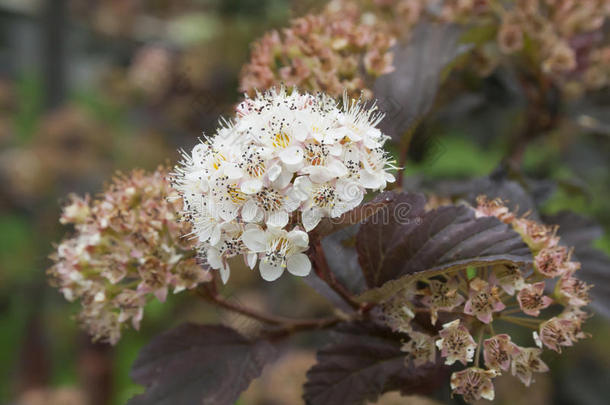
(206, 223)
(358, 124)
(330, 199)
(251, 169)
(272, 205)
(373, 174)
(226, 196)
(285, 154)
(229, 245)
(323, 161)
(279, 250)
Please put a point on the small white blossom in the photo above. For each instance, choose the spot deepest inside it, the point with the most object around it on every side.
(279, 250)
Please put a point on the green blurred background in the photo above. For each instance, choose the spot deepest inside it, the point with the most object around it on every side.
(89, 87)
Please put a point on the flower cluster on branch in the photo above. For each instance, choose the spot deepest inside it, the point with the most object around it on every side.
(342, 48)
(349, 43)
(474, 304)
(288, 160)
(128, 246)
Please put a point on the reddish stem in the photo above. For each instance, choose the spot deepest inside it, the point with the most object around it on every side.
(323, 271)
(284, 322)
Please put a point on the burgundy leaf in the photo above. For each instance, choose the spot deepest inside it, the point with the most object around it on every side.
(379, 240)
(340, 251)
(198, 364)
(404, 241)
(407, 94)
(362, 364)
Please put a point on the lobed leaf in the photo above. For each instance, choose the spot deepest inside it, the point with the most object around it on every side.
(364, 362)
(198, 364)
(337, 236)
(407, 94)
(396, 250)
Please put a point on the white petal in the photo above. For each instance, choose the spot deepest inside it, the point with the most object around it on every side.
(373, 132)
(199, 152)
(319, 174)
(292, 201)
(232, 171)
(284, 178)
(371, 180)
(251, 186)
(204, 233)
(292, 155)
(260, 215)
(335, 149)
(228, 211)
(254, 239)
(299, 264)
(293, 168)
(213, 258)
(337, 168)
(537, 339)
(225, 272)
(265, 153)
(300, 133)
(251, 259)
(215, 236)
(274, 172)
(299, 238)
(349, 191)
(371, 143)
(352, 154)
(311, 218)
(344, 206)
(335, 135)
(279, 219)
(269, 272)
(249, 210)
(303, 185)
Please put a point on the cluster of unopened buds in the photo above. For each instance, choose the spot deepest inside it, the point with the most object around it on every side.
(350, 42)
(474, 303)
(128, 246)
(287, 161)
(565, 34)
(339, 49)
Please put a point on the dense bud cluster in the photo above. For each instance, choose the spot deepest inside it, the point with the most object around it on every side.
(563, 36)
(128, 246)
(340, 49)
(264, 180)
(349, 43)
(476, 303)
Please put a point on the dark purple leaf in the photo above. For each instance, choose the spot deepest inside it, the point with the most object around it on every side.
(579, 232)
(364, 362)
(337, 238)
(340, 251)
(407, 94)
(400, 242)
(379, 241)
(198, 364)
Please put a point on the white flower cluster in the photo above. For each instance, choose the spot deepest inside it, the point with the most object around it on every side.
(286, 161)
